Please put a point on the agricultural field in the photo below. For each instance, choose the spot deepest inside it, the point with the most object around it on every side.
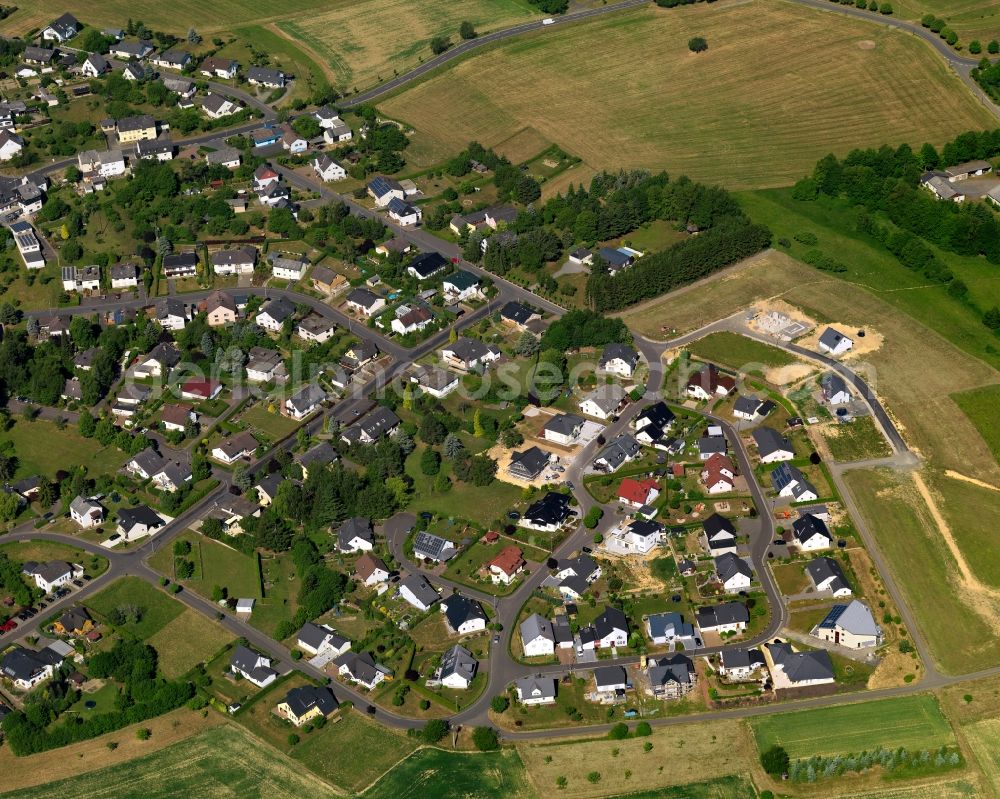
(915, 722)
(367, 41)
(206, 18)
(696, 114)
(694, 752)
(220, 762)
(980, 406)
(927, 574)
(970, 19)
(971, 512)
(382, 749)
(860, 440)
(454, 775)
(44, 449)
(946, 789)
(738, 352)
(215, 564)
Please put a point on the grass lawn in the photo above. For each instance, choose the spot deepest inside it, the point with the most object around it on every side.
(980, 406)
(655, 236)
(44, 449)
(281, 587)
(791, 577)
(94, 565)
(309, 76)
(690, 752)
(272, 425)
(378, 749)
(368, 41)
(739, 352)
(482, 504)
(220, 762)
(922, 564)
(215, 564)
(464, 568)
(769, 110)
(158, 609)
(457, 775)
(103, 699)
(859, 440)
(186, 641)
(915, 722)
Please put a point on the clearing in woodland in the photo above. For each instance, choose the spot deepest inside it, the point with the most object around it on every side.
(751, 111)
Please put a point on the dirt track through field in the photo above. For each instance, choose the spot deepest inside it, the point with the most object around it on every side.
(981, 598)
(966, 479)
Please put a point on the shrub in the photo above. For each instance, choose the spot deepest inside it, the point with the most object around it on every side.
(697, 44)
(594, 777)
(485, 739)
(499, 703)
(642, 729)
(618, 732)
(775, 760)
(293, 739)
(434, 730)
(143, 733)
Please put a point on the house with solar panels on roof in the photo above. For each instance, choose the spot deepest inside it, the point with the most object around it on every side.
(851, 625)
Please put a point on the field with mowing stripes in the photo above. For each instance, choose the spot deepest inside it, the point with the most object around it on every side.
(366, 41)
(915, 722)
(751, 111)
(980, 406)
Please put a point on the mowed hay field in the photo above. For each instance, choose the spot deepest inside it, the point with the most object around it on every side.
(971, 512)
(915, 722)
(751, 111)
(366, 41)
(694, 752)
(221, 762)
(186, 641)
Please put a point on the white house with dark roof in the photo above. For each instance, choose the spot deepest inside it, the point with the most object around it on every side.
(618, 359)
(469, 354)
(834, 388)
(799, 669)
(826, 575)
(87, 513)
(327, 169)
(364, 301)
(417, 591)
(563, 429)
(528, 464)
(320, 639)
(305, 402)
(833, 342)
(788, 481)
(462, 285)
(360, 669)
(51, 575)
(252, 666)
(718, 535)
(433, 547)
(536, 690)
(239, 261)
(741, 664)
(811, 533)
(464, 615)
(355, 535)
(537, 637)
(458, 668)
(772, 446)
(726, 617)
(733, 572)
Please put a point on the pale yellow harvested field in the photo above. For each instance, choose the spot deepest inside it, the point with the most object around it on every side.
(368, 41)
(984, 740)
(779, 87)
(690, 753)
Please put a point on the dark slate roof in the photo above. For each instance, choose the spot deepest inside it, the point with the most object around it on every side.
(807, 526)
(725, 613)
(769, 440)
(671, 669)
(306, 697)
(801, 666)
(553, 508)
(729, 565)
(141, 514)
(610, 675)
(428, 545)
(462, 609)
(427, 264)
(459, 660)
(657, 414)
(355, 527)
(622, 351)
(610, 620)
(420, 587)
(715, 524)
(516, 312)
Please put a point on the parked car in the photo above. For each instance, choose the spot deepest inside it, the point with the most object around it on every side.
(78, 583)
